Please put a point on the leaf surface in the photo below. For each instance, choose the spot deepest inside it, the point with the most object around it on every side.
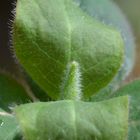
(8, 127)
(133, 90)
(100, 9)
(71, 120)
(11, 93)
(48, 35)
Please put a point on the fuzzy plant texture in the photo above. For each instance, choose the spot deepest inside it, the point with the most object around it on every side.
(74, 56)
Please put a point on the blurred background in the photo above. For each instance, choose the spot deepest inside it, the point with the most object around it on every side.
(130, 8)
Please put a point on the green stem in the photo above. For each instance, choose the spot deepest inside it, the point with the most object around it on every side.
(71, 86)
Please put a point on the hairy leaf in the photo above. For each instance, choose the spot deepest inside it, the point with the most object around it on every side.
(48, 35)
(73, 120)
(133, 90)
(71, 89)
(11, 93)
(100, 9)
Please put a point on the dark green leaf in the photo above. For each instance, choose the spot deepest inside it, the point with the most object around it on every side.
(48, 35)
(37, 91)
(11, 93)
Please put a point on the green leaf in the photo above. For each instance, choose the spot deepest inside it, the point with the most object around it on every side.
(9, 130)
(71, 87)
(100, 9)
(75, 120)
(133, 90)
(46, 40)
(12, 93)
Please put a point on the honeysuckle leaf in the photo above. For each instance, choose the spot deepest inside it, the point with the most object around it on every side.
(12, 93)
(100, 9)
(48, 35)
(9, 130)
(133, 90)
(74, 120)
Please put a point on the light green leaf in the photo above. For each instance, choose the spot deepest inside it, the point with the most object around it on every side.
(71, 88)
(75, 120)
(9, 130)
(100, 9)
(48, 35)
(12, 93)
(133, 90)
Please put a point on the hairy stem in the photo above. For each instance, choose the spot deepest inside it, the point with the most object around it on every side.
(71, 85)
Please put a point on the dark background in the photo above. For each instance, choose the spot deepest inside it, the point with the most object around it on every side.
(6, 59)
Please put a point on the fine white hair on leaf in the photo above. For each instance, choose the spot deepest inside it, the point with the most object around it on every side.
(71, 84)
(10, 31)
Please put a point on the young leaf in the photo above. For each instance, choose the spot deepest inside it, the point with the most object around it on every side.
(75, 120)
(133, 90)
(100, 10)
(11, 93)
(71, 86)
(48, 35)
(8, 126)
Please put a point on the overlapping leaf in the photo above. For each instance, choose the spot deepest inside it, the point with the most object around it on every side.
(100, 9)
(133, 90)
(71, 120)
(48, 35)
(9, 130)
